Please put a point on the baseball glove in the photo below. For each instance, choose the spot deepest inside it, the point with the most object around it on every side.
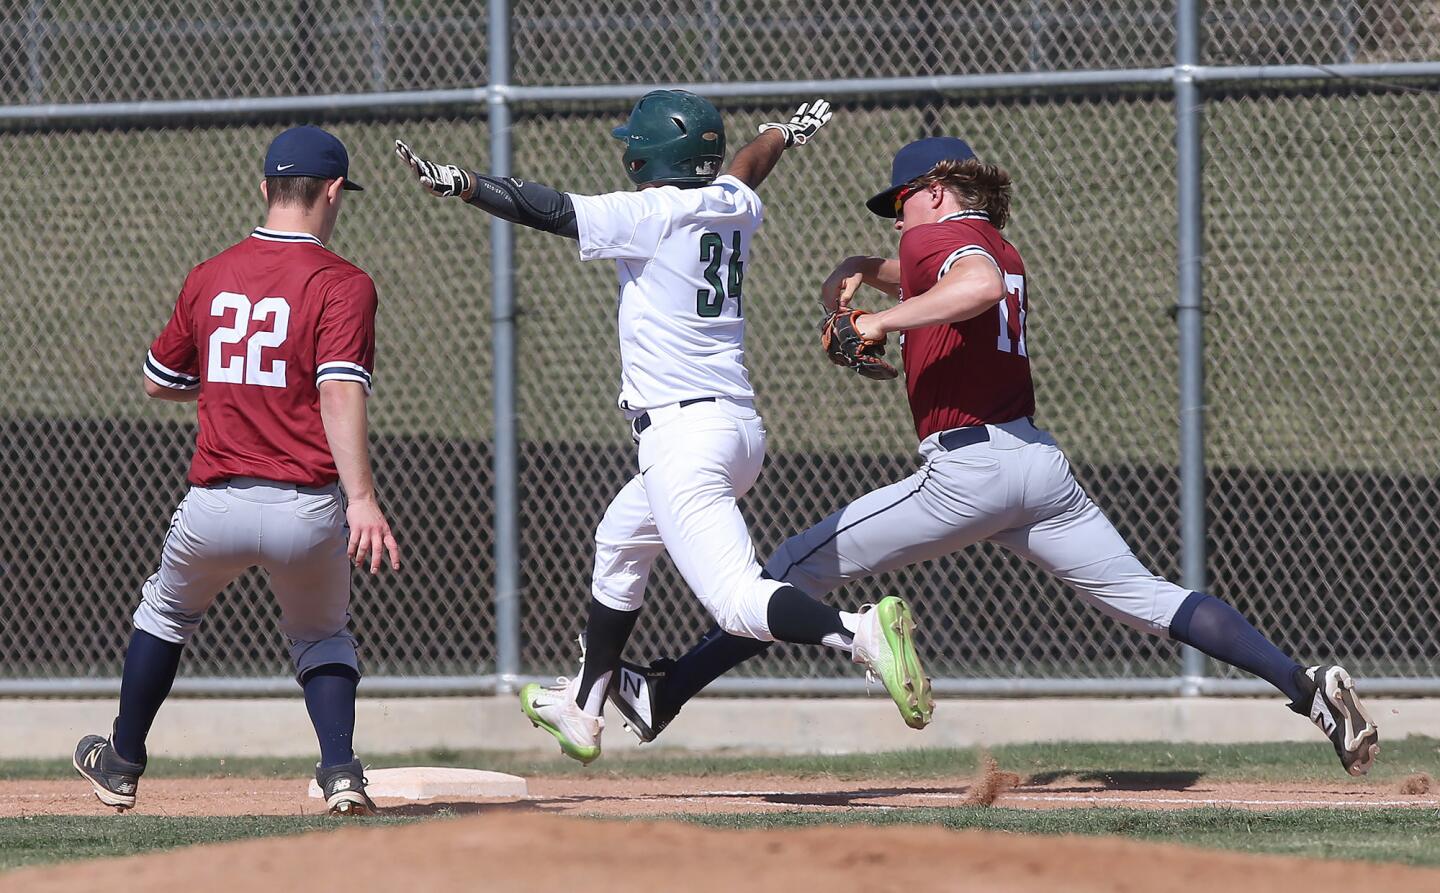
(846, 347)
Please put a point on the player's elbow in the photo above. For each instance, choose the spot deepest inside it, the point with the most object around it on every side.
(339, 397)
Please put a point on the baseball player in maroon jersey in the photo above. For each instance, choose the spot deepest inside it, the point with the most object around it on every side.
(988, 472)
(275, 339)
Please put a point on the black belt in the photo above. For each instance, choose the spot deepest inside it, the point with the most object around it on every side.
(642, 421)
(956, 438)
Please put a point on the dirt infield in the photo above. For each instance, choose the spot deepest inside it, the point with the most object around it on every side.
(520, 852)
(607, 796)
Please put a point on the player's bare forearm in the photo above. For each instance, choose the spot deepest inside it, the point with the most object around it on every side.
(173, 395)
(880, 273)
(970, 288)
(347, 429)
(753, 163)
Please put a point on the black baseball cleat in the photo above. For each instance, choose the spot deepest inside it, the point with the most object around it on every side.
(1335, 709)
(114, 778)
(635, 692)
(344, 789)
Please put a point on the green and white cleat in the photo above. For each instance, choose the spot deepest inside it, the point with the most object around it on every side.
(885, 644)
(554, 710)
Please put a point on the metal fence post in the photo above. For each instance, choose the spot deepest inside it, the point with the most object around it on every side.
(34, 52)
(505, 462)
(1189, 317)
(379, 51)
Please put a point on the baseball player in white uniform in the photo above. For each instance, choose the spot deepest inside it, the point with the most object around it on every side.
(680, 243)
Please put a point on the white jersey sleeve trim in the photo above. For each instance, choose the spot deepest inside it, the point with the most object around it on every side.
(166, 377)
(342, 371)
(967, 251)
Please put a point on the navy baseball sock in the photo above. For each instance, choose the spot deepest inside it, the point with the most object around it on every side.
(716, 654)
(1216, 628)
(606, 632)
(796, 617)
(150, 666)
(330, 699)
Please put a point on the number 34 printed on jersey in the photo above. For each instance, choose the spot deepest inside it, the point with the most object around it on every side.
(249, 366)
(710, 301)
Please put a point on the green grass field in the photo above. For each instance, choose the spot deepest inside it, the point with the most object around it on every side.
(1392, 834)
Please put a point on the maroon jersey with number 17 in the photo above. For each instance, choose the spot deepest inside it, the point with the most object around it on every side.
(256, 329)
(974, 372)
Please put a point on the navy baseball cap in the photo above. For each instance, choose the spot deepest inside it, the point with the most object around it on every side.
(308, 151)
(913, 161)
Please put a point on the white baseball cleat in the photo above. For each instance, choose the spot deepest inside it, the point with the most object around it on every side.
(1335, 709)
(554, 710)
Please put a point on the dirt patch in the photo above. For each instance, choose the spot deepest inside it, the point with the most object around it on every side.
(600, 795)
(990, 783)
(534, 852)
(1419, 783)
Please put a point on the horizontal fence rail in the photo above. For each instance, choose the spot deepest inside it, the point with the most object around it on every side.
(159, 111)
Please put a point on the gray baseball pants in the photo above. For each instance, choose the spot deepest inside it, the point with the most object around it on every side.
(1016, 490)
(297, 535)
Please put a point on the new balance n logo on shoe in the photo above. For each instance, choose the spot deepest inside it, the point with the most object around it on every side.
(630, 682)
(340, 784)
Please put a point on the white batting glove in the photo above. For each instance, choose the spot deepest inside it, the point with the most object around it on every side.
(440, 180)
(808, 119)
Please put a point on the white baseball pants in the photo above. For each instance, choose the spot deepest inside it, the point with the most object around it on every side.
(1015, 490)
(695, 463)
(296, 534)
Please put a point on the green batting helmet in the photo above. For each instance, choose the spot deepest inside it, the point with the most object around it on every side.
(673, 137)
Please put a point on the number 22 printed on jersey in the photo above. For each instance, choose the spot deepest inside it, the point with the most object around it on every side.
(248, 366)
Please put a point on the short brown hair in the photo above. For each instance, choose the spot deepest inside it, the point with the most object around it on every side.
(979, 186)
(301, 191)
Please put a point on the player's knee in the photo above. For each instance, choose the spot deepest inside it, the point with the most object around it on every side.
(309, 656)
(741, 610)
(166, 621)
(619, 594)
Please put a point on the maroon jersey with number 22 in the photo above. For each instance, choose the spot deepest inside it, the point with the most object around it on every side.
(974, 372)
(256, 329)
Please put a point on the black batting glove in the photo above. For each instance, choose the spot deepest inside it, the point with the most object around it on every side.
(440, 180)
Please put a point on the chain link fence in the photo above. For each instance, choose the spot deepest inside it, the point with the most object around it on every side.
(1322, 322)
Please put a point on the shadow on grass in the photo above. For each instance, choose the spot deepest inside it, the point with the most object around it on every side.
(1111, 780)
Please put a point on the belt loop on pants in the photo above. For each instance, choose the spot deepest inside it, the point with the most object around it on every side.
(955, 438)
(642, 421)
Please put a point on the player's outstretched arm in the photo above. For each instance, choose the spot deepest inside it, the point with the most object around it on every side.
(519, 201)
(342, 410)
(753, 163)
(880, 273)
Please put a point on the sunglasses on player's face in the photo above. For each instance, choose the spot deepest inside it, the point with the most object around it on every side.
(903, 196)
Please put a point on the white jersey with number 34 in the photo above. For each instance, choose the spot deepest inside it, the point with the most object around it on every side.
(680, 258)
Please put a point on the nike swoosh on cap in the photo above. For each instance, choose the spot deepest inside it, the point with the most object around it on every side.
(283, 167)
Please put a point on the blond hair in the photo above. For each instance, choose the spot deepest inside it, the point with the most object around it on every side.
(978, 185)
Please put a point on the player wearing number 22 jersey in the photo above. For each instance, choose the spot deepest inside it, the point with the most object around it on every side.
(264, 323)
(275, 339)
(988, 473)
(680, 244)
